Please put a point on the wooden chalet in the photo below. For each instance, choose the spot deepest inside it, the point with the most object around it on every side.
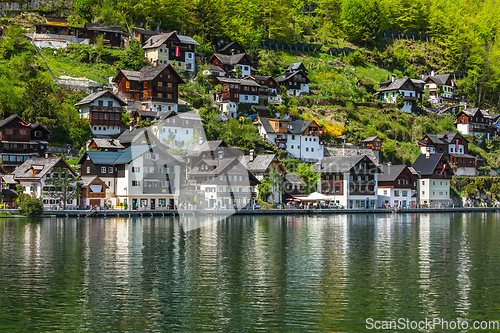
(104, 144)
(93, 191)
(228, 63)
(231, 48)
(150, 84)
(373, 142)
(21, 141)
(474, 121)
(142, 35)
(272, 93)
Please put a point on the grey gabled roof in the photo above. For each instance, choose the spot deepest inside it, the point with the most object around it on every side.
(390, 172)
(286, 76)
(299, 126)
(8, 120)
(206, 146)
(92, 97)
(219, 166)
(157, 40)
(100, 157)
(341, 163)
(370, 138)
(229, 45)
(187, 40)
(230, 59)
(131, 153)
(88, 180)
(107, 143)
(439, 78)
(426, 165)
(294, 179)
(473, 111)
(267, 125)
(148, 73)
(24, 171)
(213, 68)
(436, 138)
(397, 84)
(241, 82)
(260, 163)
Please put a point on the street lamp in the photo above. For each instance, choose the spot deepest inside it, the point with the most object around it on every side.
(126, 197)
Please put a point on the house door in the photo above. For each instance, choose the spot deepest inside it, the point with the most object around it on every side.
(171, 204)
(94, 202)
(152, 203)
(134, 204)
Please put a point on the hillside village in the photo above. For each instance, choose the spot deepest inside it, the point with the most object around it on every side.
(150, 149)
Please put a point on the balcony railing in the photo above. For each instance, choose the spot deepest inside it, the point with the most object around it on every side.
(105, 108)
(97, 195)
(158, 190)
(166, 89)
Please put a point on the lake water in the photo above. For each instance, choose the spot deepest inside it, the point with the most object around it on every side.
(262, 273)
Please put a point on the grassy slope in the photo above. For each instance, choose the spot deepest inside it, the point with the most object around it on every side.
(65, 65)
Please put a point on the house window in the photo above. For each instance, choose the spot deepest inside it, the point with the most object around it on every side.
(8, 131)
(145, 85)
(136, 169)
(385, 192)
(145, 94)
(22, 131)
(100, 103)
(169, 96)
(160, 95)
(110, 104)
(38, 134)
(110, 169)
(88, 169)
(169, 85)
(127, 85)
(136, 183)
(246, 98)
(396, 193)
(292, 147)
(103, 169)
(160, 84)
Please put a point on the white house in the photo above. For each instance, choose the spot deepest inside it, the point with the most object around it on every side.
(232, 92)
(397, 187)
(104, 111)
(408, 88)
(300, 138)
(350, 181)
(143, 176)
(435, 178)
(172, 48)
(33, 174)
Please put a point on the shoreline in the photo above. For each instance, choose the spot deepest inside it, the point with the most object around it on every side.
(165, 213)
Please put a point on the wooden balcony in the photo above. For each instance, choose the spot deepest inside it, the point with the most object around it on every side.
(97, 195)
(166, 89)
(106, 108)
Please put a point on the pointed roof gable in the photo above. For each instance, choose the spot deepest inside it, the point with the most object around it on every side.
(36, 168)
(397, 84)
(343, 163)
(426, 165)
(149, 73)
(92, 97)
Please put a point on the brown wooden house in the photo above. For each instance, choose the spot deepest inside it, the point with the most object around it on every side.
(373, 142)
(228, 63)
(21, 141)
(151, 85)
(231, 48)
(93, 191)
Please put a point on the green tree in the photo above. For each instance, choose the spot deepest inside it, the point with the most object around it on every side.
(39, 106)
(360, 20)
(80, 131)
(64, 186)
(310, 176)
(134, 57)
(30, 206)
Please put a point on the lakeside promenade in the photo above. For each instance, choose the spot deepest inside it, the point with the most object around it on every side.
(174, 212)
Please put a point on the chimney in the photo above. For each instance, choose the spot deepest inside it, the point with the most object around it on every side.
(232, 51)
(427, 154)
(393, 77)
(432, 73)
(200, 140)
(252, 155)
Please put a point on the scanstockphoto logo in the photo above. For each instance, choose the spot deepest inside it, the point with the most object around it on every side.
(205, 181)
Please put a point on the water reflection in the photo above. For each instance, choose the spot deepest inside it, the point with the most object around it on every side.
(270, 273)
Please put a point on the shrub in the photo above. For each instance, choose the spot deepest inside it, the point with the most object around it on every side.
(31, 206)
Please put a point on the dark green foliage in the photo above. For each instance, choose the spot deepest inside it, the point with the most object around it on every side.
(134, 58)
(31, 206)
(64, 186)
